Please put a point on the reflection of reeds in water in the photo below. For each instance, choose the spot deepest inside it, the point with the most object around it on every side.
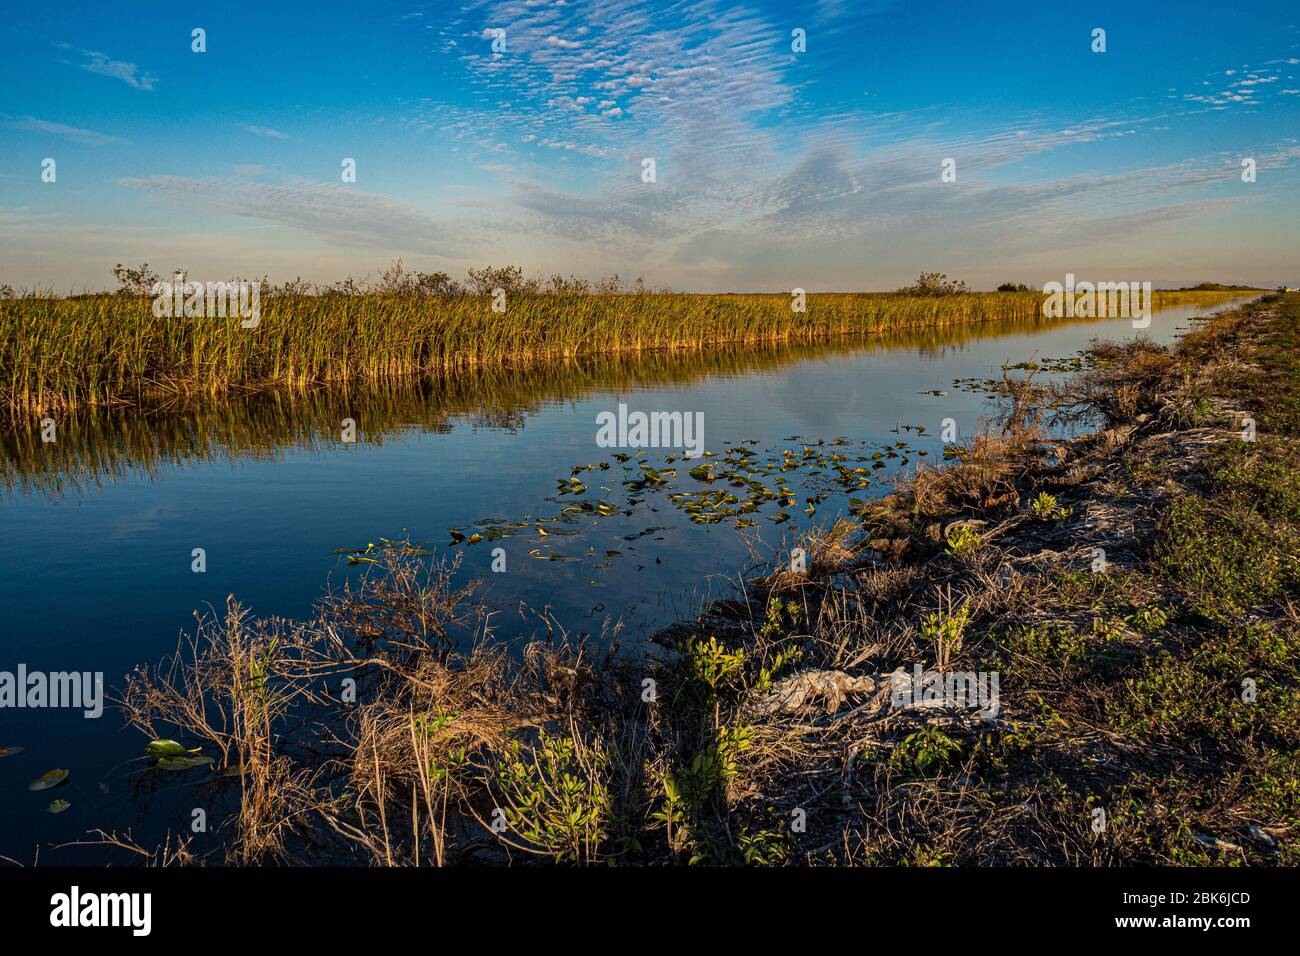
(65, 353)
(98, 444)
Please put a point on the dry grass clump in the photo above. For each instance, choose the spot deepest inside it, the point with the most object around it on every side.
(233, 686)
(1174, 383)
(389, 724)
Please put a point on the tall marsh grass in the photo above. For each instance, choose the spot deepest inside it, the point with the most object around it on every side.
(110, 349)
(101, 443)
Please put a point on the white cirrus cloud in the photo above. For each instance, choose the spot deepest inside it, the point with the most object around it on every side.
(87, 136)
(264, 131)
(102, 64)
(335, 212)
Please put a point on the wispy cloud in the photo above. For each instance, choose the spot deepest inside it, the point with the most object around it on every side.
(616, 77)
(265, 131)
(1238, 88)
(335, 212)
(104, 65)
(88, 136)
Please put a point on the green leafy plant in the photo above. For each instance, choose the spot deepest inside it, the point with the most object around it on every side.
(763, 847)
(1107, 629)
(781, 662)
(692, 792)
(1148, 620)
(924, 753)
(1045, 507)
(553, 797)
(963, 541)
(780, 617)
(945, 629)
(709, 668)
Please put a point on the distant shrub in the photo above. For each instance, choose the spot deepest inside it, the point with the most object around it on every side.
(935, 284)
(1217, 287)
(397, 280)
(135, 281)
(510, 278)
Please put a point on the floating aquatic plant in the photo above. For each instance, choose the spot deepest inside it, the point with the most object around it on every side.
(176, 764)
(48, 780)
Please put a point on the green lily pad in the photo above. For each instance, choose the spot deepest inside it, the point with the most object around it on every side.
(176, 764)
(165, 748)
(47, 780)
(57, 806)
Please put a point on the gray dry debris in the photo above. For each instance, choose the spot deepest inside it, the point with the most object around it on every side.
(825, 692)
(819, 691)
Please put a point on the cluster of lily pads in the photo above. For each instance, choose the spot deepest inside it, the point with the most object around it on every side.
(166, 755)
(46, 781)
(739, 485)
(992, 386)
(173, 757)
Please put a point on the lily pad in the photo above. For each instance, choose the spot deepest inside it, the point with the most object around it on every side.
(165, 748)
(47, 780)
(176, 764)
(57, 806)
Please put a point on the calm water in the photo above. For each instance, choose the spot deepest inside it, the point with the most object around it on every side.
(98, 529)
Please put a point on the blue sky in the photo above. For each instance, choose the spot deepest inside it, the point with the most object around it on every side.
(774, 169)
